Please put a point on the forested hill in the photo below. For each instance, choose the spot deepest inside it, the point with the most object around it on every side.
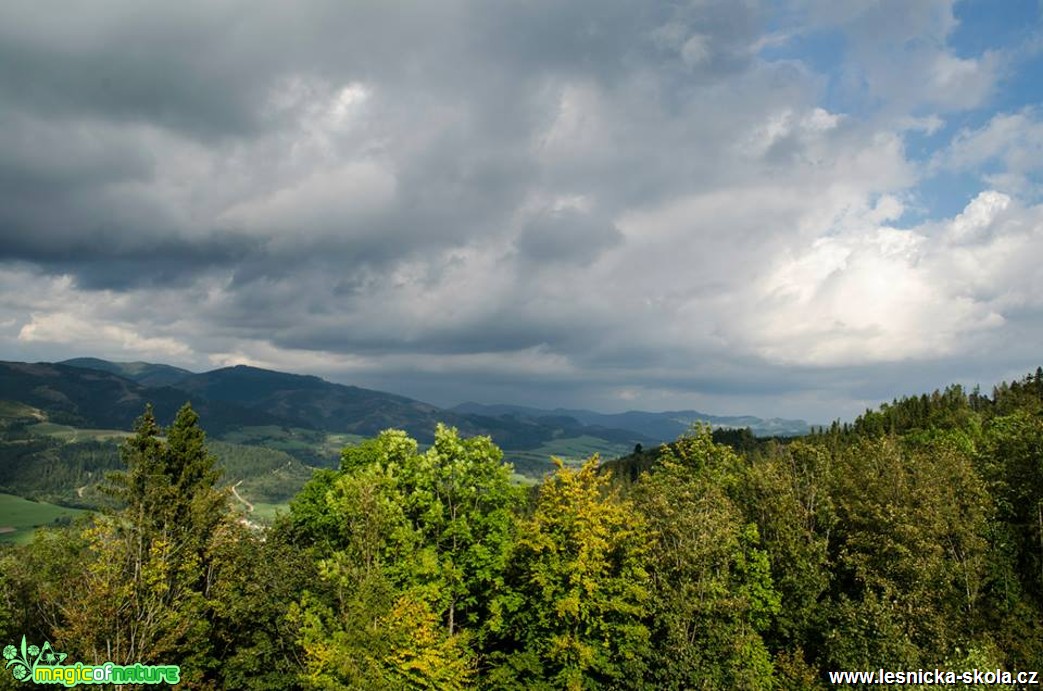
(144, 373)
(100, 394)
(100, 399)
(83, 406)
(909, 540)
(661, 426)
(309, 417)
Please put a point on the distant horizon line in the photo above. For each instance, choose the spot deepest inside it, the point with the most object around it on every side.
(451, 407)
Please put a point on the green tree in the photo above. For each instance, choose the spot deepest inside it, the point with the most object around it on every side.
(169, 489)
(788, 495)
(255, 580)
(137, 588)
(1010, 459)
(909, 551)
(367, 644)
(574, 612)
(459, 498)
(712, 592)
(418, 537)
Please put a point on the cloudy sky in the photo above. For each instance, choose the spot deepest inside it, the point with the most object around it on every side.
(788, 208)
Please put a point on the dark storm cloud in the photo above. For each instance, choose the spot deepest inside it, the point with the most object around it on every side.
(177, 65)
(209, 75)
(466, 340)
(567, 236)
(592, 198)
(174, 264)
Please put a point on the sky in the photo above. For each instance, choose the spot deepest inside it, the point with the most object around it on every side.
(793, 208)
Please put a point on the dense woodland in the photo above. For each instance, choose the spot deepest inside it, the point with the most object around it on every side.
(912, 538)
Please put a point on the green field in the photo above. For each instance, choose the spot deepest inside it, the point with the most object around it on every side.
(310, 446)
(20, 517)
(20, 411)
(75, 434)
(334, 442)
(573, 451)
(265, 513)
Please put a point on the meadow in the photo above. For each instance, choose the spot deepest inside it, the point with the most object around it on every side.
(21, 517)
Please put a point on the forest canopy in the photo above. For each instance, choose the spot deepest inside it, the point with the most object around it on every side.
(911, 538)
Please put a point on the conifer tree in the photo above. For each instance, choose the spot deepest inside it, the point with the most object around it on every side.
(140, 593)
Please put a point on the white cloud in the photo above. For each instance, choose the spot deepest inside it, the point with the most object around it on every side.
(979, 216)
(884, 294)
(628, 200)
(578, 130)
(1012, 141)
(696, 50)
(898, 51)
(327, 202)
(90, 336)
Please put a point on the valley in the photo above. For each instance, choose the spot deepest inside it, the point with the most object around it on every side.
(61, 425)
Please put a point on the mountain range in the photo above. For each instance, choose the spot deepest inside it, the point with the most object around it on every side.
(665, 426)
(289, 393)
(309, 417)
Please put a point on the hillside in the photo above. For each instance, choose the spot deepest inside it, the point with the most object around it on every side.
(99, 399)
(305, 416)
(311, 419)
(308, 401)
(661, 427)
(144, 373)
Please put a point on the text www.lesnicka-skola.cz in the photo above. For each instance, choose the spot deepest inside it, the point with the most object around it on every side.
(936, 676)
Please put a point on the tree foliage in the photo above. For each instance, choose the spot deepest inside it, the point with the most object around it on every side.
(573, 614)
(412, 549)
(909, 538)
(712, 585)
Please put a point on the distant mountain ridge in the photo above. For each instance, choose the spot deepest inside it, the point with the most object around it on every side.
(97, 398)
(294, 400)
(312, 419)
(144, 373)
(313, 402)
(664, 426)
